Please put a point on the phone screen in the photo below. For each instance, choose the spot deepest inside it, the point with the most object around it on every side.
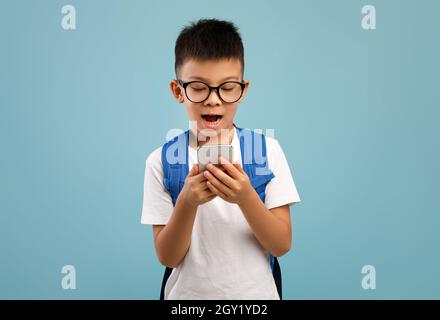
(210, 153)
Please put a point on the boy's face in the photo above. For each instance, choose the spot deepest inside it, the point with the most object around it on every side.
(213, 73)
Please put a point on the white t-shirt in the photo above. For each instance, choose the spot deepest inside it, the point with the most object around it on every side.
(225, 260)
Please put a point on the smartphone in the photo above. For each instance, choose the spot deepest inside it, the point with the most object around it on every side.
(210, 153)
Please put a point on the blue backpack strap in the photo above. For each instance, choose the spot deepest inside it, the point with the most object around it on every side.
(254, 160)
(175, 168)
(255, 164)
(175, 164)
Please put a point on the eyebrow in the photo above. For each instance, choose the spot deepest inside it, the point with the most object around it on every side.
(224, 79)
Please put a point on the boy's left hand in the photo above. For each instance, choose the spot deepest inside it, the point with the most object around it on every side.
(232, 184)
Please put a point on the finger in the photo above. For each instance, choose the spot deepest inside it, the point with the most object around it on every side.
(216, 191)
(200, 178)
(230, 168)
(218, 184)
(219, 174)
(239, 167)
(219, 166)
(205, 186)
(194, 170)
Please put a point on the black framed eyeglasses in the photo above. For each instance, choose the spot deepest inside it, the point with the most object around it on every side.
(199, 91)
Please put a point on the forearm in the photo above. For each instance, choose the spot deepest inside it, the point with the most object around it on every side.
(272, 233)
(173, 241)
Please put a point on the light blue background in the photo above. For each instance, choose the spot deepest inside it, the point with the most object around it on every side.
(356, 113)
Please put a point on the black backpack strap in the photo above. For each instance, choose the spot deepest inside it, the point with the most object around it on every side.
(166, 275)
(277, 276)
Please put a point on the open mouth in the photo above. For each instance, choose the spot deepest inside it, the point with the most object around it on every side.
(211, 118)
(211, 121)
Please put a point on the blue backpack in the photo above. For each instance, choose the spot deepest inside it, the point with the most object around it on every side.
(254, 162)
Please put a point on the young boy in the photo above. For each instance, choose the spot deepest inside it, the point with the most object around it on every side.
(218, 235)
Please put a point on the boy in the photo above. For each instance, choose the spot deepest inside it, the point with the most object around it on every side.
(218, 234)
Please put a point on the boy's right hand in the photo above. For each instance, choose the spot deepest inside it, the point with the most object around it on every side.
(195, 190)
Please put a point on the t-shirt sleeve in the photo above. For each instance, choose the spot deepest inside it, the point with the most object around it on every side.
(281, 190)
(157, 205)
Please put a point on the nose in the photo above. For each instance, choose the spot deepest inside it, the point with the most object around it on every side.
(213, 99)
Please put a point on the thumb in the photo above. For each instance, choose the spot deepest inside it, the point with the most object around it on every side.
(194, 170)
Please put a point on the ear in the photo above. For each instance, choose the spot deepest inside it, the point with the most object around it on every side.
(246, 87)
(177, 91)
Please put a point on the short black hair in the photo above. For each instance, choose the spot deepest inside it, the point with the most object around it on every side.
(207, 39)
